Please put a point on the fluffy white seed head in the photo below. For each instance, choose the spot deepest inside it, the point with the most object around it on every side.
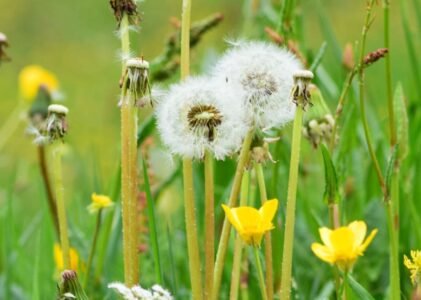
(195, 116)
(261, 75)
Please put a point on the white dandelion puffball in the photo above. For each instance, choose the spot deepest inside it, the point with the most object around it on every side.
(261, 75)
(195, 117)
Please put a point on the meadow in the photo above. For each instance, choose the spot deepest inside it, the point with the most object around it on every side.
(346, 149)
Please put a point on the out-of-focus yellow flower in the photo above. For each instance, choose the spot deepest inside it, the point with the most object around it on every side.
(251, 223)
(34, 76)
(343, 245)
(99, 202)
(58, 258)
(414, 266)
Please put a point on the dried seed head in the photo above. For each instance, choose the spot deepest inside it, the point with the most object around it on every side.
(374, 56)
(58, 109)
(3, 44)
(121, 7)
(204, 118)
(300, 92)
(319, 130)
(259, 84)
(137, 80)
(70, 287)
(56, 122)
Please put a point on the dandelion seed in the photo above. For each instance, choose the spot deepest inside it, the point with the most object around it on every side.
(139, 293)
(32, 77)
(413, 264)
(261, 76)
(250, 223)
(343, 245)
(195, 116)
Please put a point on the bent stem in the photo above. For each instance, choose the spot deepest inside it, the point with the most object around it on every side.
(290, 209)
(268, 240)
(226, 228)
(260, 273)
(129, 171)
(9, 127)
(238, 247)
(93, 248)
(61, 209)
(209, 224)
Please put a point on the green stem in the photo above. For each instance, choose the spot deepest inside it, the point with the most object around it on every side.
(191, 230)
(238, 247)
(61, 209)
(334, 217)
(209, 224)
(129, 172)
(93, 248)
(290, 209)
(260, 274)
(9, 127)
(226, 228)
(268, 240)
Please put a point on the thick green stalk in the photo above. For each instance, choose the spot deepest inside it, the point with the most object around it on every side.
(93, 248)
(61, 208)
(129, 171)
(290, 209)
(260, 274)
(238, 247)
(209, 224)
(226, 228)
(191, 227)
(191, 230)
(268, 240)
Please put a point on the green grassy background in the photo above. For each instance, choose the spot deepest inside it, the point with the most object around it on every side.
(76, 40)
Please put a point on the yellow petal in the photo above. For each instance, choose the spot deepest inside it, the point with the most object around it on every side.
(342, 240)
(268, 211)
(248, 217)
(32, 77)
(231, 218)
(367, 241)
(58, 257)
(325, 236)
(359, 228)
(323, 252)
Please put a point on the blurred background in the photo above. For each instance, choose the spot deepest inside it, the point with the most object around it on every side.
(77, 41)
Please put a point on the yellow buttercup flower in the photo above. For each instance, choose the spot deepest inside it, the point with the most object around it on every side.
(251, 223)
(34, 76)
(414, 266)
(99, 202)
(343, 245)
(58, 258)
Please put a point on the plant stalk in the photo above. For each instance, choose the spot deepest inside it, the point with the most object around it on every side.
(93, 248)
(209, 224)
(291, 203)
(129, 171)
(260, 274)
(61, 209)
(226, 228)
(268, 240)
(238, 247)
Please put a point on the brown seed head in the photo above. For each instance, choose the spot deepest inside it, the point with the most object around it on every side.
(121, 7)
(204, 117)
(374, 56)
(348, 57)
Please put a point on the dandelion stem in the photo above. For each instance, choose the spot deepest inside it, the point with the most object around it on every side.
(260, 274)
(9, 127)
(48, 190)
(129, 171)
(290, 209)
(238, 247)
(268, 240)
(191, 227)
(226, 228)
(209, 224)
(93, 248)
(61, 209)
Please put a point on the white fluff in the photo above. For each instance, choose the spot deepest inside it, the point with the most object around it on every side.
(139, 293)
(261, 75)
(179, 137)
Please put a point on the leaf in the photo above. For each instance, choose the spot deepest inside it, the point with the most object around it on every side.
(391, 166)
(145, 130)
(358, 289)
(401, 117)
(331, 189)
(318, 58)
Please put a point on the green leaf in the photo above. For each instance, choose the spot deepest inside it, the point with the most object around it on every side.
(145, 130)
(331, 189)
(318, 58)
(401, 117)
(391, 166)
(358, 289)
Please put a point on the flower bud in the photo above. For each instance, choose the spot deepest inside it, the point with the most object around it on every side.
(70, 287)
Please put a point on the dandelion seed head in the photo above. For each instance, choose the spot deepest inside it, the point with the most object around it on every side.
(261, 75)
(195, 117)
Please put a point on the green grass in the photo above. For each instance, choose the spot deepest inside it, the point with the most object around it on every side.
(75, 40)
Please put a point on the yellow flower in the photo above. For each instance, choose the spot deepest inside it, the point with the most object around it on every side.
(99, 202)
(414, 266)
(58, 258)
(343, 245)
(32, 77)
(251, 223)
